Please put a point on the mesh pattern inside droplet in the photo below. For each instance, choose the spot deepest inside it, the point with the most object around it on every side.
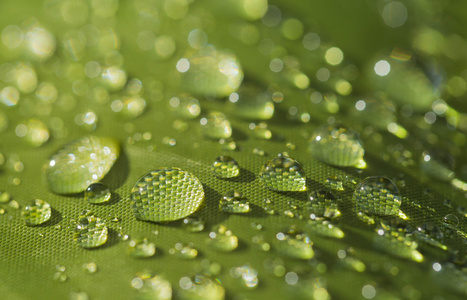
(225, 167)
(283, 174)
(92, 232)
(166, 195)
(375, 200)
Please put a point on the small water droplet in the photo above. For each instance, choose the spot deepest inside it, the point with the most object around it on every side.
(335, 183)
(451, 221)
(234, 202)
(261, 242)
(438, 164)
(141, 248)
(14, 204)
(283, 174)
(200, 287)
(166, 194)
(193, 224)
(152, 286)
(260, 131)
(80, 163)
(225, 167)
(248, 275)
(259, 152)
(185, 107)
(216, 126)
(210, 72)
(325, 228)
(338, 146)
(87, 120)
(90, 268)
(228, 144)
(78, 296)
(183, 251)
(222, 239)
(268, 207)
(129, 107)
(90, 231)
(323, 204)
(37, 212)
(377, 195)
(5, 197)
(398, 244)
(114, 78)
(97, 193)
(251, 103)
(294, 244)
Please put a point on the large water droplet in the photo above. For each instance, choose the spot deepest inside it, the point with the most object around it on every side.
(234, 202)
(377, 195)
(90, 231)
(225, 167)
(37, 212)
(166, 194)
(294, 244)
(210, 72)
(338, 146)
(80, 163)
(151, 286)
(251, 103)
(222, 239)
(141, 248)
(97, 193)
(216, 126)
(283, 174)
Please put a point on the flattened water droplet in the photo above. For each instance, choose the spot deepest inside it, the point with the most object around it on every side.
(234, 202)
(437, 164)
(97, 193)
(397, 244)
(225, 167)
(222, 239)
(377, 195)
(141, 248)
(5, 197)
(166, 194)
(201, 287)
(337, 145)
(325, 229)
(183, 251)
(251, 103)
(210, 72)
(294, 243)
(185, 107)
(283, 174)
(323, 204)
(37, 212)
(151, 286)
(90, 231)
(193, 224)
(216, 126)
(80, 163)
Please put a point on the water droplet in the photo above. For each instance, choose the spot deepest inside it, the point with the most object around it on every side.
(185, 107)
(80, 163)
(248, 274)
(166, 194)
(260, 131)
(268, 207)
(338, 146)
(14, 204)
(353, 263)
(90, 231)
(261, 242)
(334, 183)
(114, 78)
(225, 167)
(216, 126)
(283, 174)
(294, 244)
(222, 239)
(193, 224)
(78, 296)
(90, 268)
(184, 251)
(259, 152)
(422, 236)
(325, 229)
(397, 244)
(129, 107)
(5, 197)
(228, 144)
(251, 103)
(450, 278)
(323, 204)
(141, 248)
(97, 193)
(200, 287)
(234, 202)
(60, 276)
(152, 286)
(34, 132)
(451, 221)
(40, 42)
(37, 212)
(437, 164)
(377, 195)
(210, 72)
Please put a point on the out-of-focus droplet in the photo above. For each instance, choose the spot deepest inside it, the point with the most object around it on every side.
(397, 245)
(87, 120)
(114, 78)
(225, 167)
(152, 286)
(141, 248)
(183, 251)
(164, 46)
(325, 229)
(37, 212)
(228, 144)
(249, 9)
(294, 243)
(201, 287)
(283, 174)
(193, 224)
(9, 96)
(12, 36)
(90, 231)
(338, 146)
(25, 77)
(166, 194)
(129, 107)
(438, 164)
(97, 193)
(185, 106)
(323, 204)
(47, 92)
(222, 239)
(252, 103)
(334, 183)
(216, 126)
(212, 73)
(80, 163)
(41, 43)
(260, 131)
(34, 132)
(234, 202)
(377, 195)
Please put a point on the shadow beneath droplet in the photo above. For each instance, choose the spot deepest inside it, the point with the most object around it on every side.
(242, 246)
(238, 134)
(244, 177)
(55, 218)
(210, 212)
(118, 173)
(114, 199)
(112, 239)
